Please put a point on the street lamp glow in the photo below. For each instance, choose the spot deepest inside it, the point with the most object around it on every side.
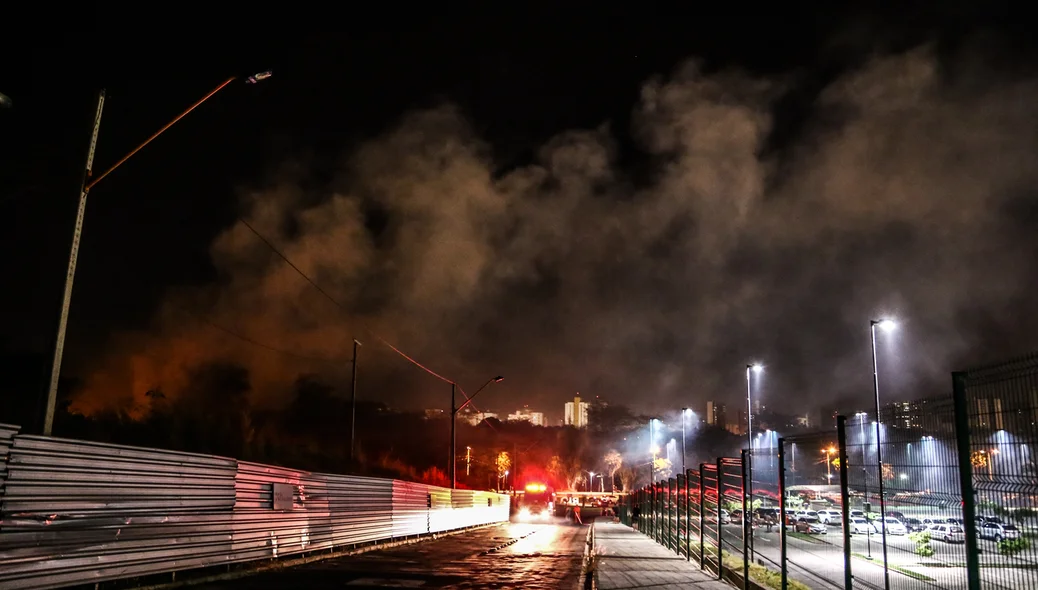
(886, 325)
(757, 368)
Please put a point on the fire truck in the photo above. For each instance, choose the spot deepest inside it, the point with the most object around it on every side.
(537, 502)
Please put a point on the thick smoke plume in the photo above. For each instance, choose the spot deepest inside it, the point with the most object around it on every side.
(908, 191)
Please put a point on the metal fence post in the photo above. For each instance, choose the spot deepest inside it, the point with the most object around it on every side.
(969, 508)
(720, 529)
(657, 513)
(688, 515)
(749, 490)
(747, 524)
(702, 533)
(670, 526)
(672, 514)
(845, 501)
(782, 512)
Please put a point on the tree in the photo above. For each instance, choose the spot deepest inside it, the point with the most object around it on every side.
(627, 478)
(613, 461)
(556, 469)
(503, 462)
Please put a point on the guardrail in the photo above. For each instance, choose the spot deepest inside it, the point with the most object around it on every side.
(77, 512)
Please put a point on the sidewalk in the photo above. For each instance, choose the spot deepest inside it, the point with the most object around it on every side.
(629, 559)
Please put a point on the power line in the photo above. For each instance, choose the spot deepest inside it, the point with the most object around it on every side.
(404, 355)
(342, 308)
(254, 342)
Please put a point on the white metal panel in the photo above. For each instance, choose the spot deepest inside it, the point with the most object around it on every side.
(77, 512)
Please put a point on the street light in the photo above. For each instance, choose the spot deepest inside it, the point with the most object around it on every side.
(828, 463)
(590, 481)
(454, 424)
(886, 325)
(77, 231)
(748, 491)
(684, 415)
(653, 450)
(865, 477)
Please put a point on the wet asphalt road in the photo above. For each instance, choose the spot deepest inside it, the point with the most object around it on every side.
(542, 556)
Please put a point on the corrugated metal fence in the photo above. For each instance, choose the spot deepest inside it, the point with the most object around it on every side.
(75, 512)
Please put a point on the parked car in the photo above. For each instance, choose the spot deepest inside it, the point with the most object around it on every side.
(725, 517)
(832, 517)
(857, 514)
(892, 526)
(898, 515)
(808, 515)
(860, 526)
(811, 528)
(914, 525)
(997, 532)
(949, 533)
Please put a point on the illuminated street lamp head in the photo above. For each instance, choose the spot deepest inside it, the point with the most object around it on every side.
(498, 379)
(885, 325)
(756, 367)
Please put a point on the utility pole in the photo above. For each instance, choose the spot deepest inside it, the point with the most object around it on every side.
(454, 440)
(88, 183)
(353, 404)
(73, 257)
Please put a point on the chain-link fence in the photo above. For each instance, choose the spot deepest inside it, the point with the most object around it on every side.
(876, 504)
(997, 407)
(809, 476)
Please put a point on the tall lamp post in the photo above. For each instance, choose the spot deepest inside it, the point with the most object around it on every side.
(886, 326)
(748, 491)
(684, 416)
(653, 450)
(77, 232)
(454, 424)
(865, 477)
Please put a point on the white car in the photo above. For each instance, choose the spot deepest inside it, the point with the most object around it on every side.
(832, 517)
(860, 526)
(996, 532)
(892, 525)
(949, 533)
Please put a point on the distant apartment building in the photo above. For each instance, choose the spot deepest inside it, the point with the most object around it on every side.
(527, 415)
(717, 414)
(576, 413)
(474, 417)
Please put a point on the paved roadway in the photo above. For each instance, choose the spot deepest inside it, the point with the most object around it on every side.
(818, 561)
(533, 556)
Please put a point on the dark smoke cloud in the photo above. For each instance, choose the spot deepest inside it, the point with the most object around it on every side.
(907, 192)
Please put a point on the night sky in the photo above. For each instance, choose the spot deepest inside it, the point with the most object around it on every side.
(381, 118)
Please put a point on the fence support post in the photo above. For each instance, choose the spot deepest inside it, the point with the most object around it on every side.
(749, 490)
(969, 507)
(720, 529)
(782, 512)
(747, 524)
(657, 513)
(845, 501)
(688, 515)
(673, 514)
(670, 526)
(702, 533)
